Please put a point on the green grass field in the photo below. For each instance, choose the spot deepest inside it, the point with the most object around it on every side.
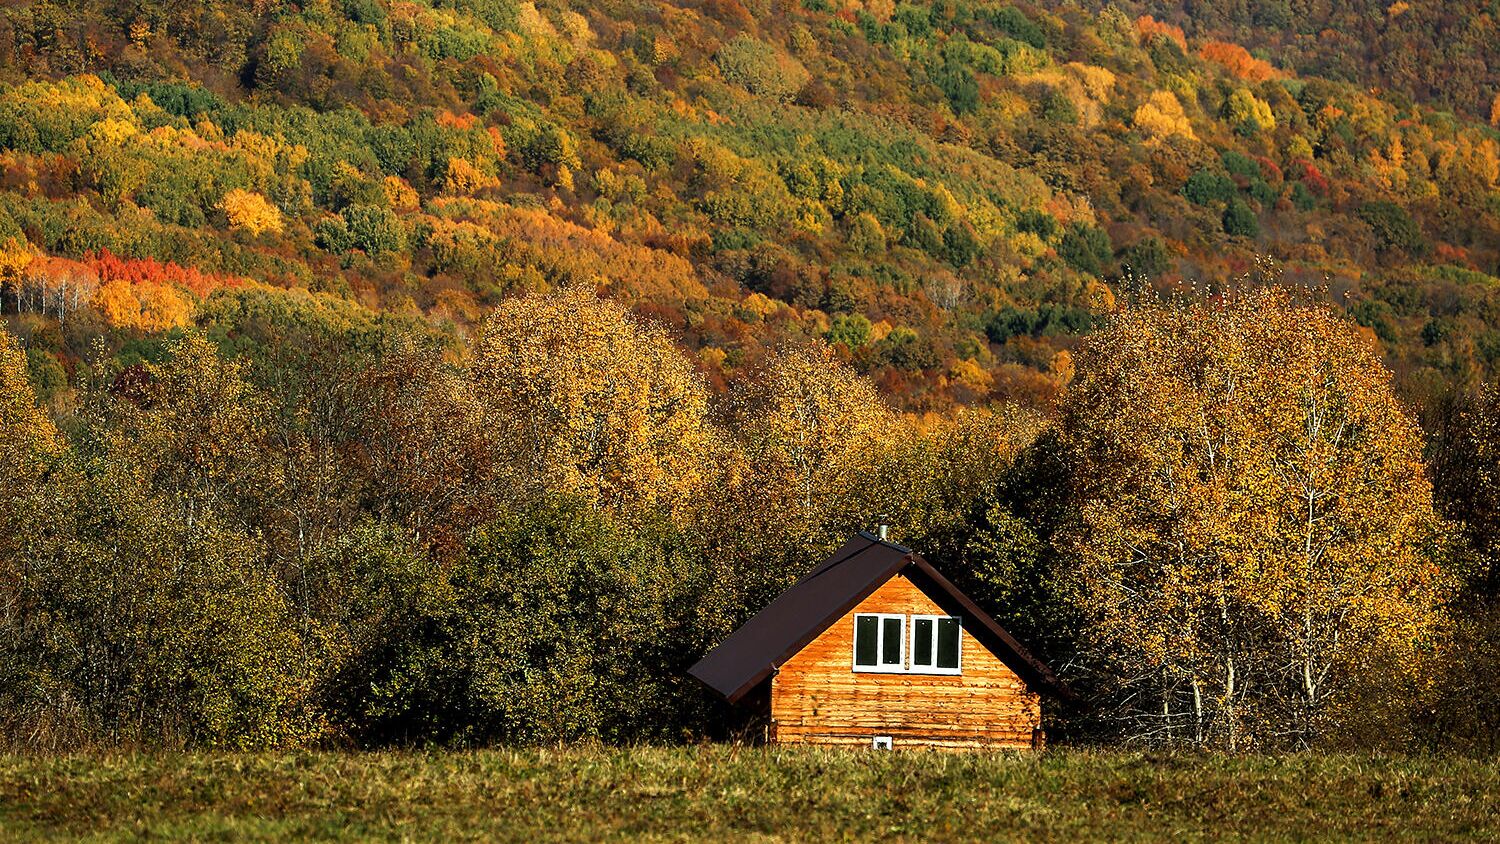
(728, 794)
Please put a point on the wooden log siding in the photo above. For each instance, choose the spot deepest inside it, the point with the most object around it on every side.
(817, 697)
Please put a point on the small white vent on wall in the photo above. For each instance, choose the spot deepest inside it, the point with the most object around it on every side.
(881, 743)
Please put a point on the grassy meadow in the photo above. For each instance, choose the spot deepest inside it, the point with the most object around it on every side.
(735, 794)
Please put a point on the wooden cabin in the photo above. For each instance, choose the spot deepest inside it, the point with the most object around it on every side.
(875, 648)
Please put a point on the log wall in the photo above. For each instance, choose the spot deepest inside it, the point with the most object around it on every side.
(817, 697)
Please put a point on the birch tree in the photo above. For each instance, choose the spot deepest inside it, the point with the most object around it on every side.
(1253, 517)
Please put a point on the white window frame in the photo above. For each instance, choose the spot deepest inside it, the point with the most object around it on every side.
(911, 637)
(878, 667)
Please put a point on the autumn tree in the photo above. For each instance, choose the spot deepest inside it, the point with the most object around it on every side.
(147, 613)
(251, 213)
(813, 430)
(29, 443)
(594, 401)
(1161, 116)
(1253, 517)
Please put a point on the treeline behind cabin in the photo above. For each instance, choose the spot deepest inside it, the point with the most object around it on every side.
(288, 527)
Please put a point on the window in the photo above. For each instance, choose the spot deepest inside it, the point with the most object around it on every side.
(881, 743)
(880, 643)
(935, 644)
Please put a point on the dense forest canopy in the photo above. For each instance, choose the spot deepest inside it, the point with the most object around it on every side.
(364, 363)
(1442, 54)
(948, 193)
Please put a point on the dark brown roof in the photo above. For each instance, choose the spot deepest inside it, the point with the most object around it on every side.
(825, 595)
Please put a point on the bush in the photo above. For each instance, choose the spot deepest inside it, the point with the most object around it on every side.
(562, 626)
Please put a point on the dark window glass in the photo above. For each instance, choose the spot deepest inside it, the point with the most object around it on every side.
(921, 642)
(947, 648)
(890, 644)
(866, 632)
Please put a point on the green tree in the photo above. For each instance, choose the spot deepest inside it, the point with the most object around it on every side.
(1393, 227)
(562, 625)
(1240, 220)
(1087, 248)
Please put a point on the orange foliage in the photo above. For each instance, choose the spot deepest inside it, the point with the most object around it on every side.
(570, 251)
(1238, 61)
(449, 120)
(147, 306)
(149, 271)
(147, 294)
(1151, 28)
(57, 285)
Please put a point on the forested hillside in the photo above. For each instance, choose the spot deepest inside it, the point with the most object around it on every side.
(1443, 54)
(399, 372)
(948, 192)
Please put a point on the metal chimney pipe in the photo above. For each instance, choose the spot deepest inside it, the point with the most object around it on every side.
(883, 528)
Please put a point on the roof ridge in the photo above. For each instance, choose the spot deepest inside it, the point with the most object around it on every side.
(873, 538)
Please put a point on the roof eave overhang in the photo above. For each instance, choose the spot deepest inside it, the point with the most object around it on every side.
(817, 630)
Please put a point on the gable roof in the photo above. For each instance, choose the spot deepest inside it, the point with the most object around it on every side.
(827, 593)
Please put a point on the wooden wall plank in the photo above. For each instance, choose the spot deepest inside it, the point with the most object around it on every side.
(817, 697)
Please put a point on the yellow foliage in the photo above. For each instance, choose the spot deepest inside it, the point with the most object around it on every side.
(400, 195)
(1251, 478)
(576, 28)
(597, 402)
(1244, 108)
(1162, 117)
(813, 429)
(1099, 297)
(1061, 365)
(26, 433)
(16, 254)
(251, 213)
(113, 131)
(146, 306)
(712, 357)
(760, 305)
(1097, 82)
(117, 302)
(973, 376)
(464, 179)
(532, 23)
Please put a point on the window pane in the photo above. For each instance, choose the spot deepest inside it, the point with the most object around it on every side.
(866, 630)
(890, 643)
(921, 642)
(947, 650)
